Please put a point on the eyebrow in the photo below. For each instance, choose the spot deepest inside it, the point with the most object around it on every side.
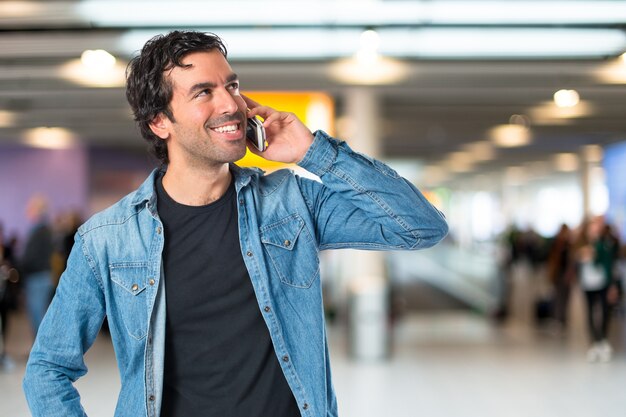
(204, 85)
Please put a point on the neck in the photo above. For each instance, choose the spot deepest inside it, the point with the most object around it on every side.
(196, 187)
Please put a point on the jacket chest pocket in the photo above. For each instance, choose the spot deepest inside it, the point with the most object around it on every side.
(130, 296)
(292, 251)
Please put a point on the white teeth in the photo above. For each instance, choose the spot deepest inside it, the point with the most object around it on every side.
(224, 129)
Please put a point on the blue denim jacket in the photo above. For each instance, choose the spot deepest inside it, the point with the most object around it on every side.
(284, 221)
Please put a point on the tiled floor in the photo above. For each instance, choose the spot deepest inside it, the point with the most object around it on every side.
(445, 364)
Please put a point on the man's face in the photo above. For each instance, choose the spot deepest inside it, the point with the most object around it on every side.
(209, 113)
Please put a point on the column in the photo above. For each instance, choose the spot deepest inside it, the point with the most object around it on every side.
(364, 271)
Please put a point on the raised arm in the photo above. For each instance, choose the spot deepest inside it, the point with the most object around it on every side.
(363, 203)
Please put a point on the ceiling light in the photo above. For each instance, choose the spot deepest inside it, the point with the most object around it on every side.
(20, 9)
(368, 49)
(367, 66)
(350, 12)
(460, 157)
(566, 162)
(501, 43)
(548, 113)
(378, 71)
(481, 150)
(566, 98)
(520, 119)
(509, 136)
(83, 74)
(458, 163)
(7, 118)
(295, 43)
(97, 59)
(49, 138)
(613, 72)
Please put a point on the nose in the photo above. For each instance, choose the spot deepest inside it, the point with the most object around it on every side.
(228, 103)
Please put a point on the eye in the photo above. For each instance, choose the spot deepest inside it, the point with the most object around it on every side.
(204, 92)
(233, 86)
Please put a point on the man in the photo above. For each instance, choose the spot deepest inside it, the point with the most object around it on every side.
(209, 273)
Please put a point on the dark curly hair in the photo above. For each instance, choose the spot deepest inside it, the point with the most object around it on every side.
(149, 91)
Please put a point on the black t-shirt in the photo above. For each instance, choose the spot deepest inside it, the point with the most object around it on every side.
(219, 358)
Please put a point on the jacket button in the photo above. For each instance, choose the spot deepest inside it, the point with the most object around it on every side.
(267, 309)
(249, 253)
(241, 201)
(305, 406)
(151, 398)
(158, 230)
(285, 358)
(287, 243)
(135, 287)
(151, 282)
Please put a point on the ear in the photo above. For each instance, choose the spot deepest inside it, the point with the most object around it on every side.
(160, 126)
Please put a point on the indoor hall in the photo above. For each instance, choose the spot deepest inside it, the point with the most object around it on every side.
(508, 116)
(444, 360)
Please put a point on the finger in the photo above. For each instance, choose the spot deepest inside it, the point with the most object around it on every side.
(262, 111)
(272, 118)
(249, 102)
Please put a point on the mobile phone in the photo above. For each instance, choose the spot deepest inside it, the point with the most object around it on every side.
(255, 133)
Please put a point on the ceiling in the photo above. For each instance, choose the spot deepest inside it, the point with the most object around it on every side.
(444, 103)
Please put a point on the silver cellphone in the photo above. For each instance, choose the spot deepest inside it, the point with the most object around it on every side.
(255, 133)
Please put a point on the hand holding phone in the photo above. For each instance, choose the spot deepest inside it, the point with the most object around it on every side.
(289, 138)
(255, 133)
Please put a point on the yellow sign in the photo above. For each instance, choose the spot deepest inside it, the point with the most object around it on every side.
(316, 110)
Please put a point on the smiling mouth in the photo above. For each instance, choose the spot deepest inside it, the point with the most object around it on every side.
(227, 129)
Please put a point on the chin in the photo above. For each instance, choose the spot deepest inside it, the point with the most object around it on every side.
(240, 153)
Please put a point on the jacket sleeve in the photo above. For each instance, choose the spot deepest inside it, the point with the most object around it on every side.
(68, 330)
(363, 203)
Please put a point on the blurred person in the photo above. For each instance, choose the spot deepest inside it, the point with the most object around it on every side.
(620, 279)
(609, 257)
(561, 272)
(242, 332)
(509, 255)
(596, 252)
(9, 281)
(67, 224)
(71, 222)
(533, 248)
(35, 263)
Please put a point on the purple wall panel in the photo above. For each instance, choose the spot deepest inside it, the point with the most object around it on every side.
(61, 175)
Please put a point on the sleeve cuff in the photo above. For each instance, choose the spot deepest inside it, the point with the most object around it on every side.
(321, 154)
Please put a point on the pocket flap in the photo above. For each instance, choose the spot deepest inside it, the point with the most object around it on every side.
(283, 233)
(130, 276)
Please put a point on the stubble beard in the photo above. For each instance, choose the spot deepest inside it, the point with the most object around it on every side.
(234, 150)
(214, 152)
(203, 150)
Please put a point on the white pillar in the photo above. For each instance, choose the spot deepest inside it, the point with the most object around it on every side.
(364, 271)
(362, 109)
(585, 183)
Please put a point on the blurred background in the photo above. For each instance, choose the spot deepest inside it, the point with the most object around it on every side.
(510, 116)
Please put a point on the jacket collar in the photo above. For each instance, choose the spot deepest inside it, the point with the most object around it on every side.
(147, 191)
